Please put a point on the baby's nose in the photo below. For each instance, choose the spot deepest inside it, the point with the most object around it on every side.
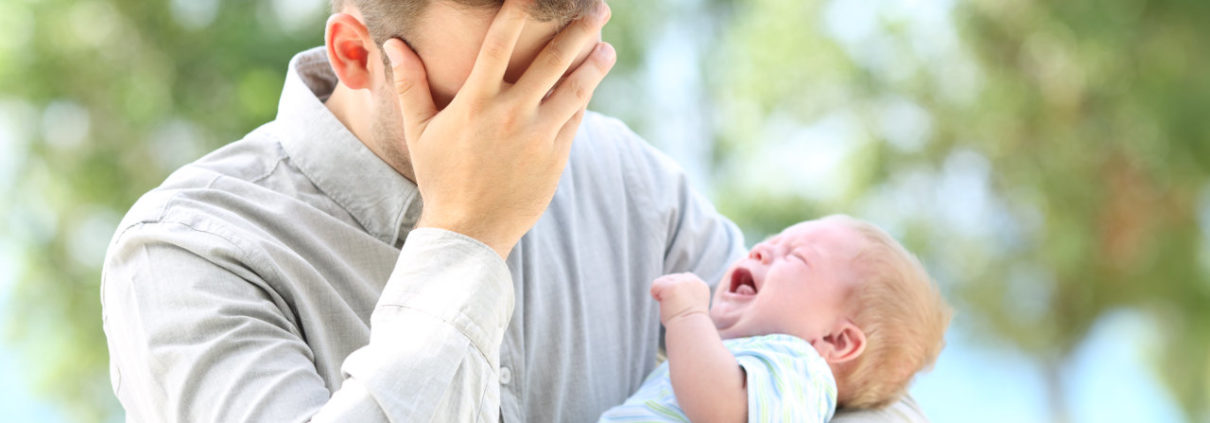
(761, 253)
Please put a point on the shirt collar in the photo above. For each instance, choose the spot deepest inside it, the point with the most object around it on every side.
(385, 203)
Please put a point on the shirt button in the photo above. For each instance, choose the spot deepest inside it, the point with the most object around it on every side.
(506, 375)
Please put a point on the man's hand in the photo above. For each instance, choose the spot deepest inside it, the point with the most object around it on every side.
(680, 295)
(488, 164)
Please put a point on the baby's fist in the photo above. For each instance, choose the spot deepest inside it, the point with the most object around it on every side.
(680, 294)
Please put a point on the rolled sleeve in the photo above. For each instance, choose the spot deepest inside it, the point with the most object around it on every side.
(445, 308)
(456, 280)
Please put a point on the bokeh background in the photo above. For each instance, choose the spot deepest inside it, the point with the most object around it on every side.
(1048, 160)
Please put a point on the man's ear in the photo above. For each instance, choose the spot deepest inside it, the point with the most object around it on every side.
(350, 48)
(846, 342)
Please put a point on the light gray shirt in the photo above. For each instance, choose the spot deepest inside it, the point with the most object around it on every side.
(280, 279)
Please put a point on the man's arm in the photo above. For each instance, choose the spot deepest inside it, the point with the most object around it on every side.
(435, 336)
(198, 333)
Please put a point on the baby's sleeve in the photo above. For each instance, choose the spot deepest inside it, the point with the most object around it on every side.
(787, 380)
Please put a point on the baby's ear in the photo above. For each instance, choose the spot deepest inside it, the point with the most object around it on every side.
(845, 343)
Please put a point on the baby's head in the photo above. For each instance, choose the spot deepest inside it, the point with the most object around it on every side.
(863, 301)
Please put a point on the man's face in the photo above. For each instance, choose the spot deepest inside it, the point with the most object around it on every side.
(447, 38)
(795, 283)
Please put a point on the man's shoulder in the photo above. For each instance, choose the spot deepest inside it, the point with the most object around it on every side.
(604, 131)
(231, 175)
(603, 138)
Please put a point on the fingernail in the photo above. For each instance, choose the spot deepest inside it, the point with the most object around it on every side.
(606, 52)
(602, 12)
(393, 54)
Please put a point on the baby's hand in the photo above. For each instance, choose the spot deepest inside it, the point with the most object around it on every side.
(680, 295)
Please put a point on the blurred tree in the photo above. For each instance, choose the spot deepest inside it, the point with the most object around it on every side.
(120, 93)
(1106, 139)
(1074, 128)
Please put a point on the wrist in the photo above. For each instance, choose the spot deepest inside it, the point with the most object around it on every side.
(491, 239)
(686, 316)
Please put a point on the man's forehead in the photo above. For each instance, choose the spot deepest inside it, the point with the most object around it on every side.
(489, 9)
(446, 17)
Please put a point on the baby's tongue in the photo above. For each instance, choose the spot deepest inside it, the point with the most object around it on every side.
(745, 290)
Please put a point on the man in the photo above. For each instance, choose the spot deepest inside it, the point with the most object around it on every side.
(295, 276)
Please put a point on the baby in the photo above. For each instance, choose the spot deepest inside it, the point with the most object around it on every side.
(829, 313)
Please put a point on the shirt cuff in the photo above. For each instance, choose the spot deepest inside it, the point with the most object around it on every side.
(455, 279)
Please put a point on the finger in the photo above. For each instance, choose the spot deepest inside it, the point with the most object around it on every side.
(411, 88)
(488, 73)
(657, 291)
(689, 276)
(559, 54)
(567, 134)
(576, 90)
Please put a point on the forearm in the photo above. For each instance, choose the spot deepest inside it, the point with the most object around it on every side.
(240, 351)
(436, 376)
(436, 331)
(707, 380)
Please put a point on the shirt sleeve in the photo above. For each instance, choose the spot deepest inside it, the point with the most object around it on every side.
(196, 334)
(435, 334)
(787, 381)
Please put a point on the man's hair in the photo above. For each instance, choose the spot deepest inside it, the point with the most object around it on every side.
(902, 313)
(392, 18)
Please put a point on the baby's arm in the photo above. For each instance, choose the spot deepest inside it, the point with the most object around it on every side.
(707, 381)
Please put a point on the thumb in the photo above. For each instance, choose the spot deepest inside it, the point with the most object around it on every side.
(411, 87)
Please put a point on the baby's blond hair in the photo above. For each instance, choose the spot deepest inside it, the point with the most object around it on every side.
(903, 315)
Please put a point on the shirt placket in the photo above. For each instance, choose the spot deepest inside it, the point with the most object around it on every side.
(510, 381)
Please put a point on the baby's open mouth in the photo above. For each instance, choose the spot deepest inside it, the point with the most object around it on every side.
(742, 282)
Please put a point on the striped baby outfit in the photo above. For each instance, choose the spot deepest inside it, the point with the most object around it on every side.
(787, 381)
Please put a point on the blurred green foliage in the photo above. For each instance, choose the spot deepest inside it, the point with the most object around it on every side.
(1083, 119)
(1048, 160)
(115, 94)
